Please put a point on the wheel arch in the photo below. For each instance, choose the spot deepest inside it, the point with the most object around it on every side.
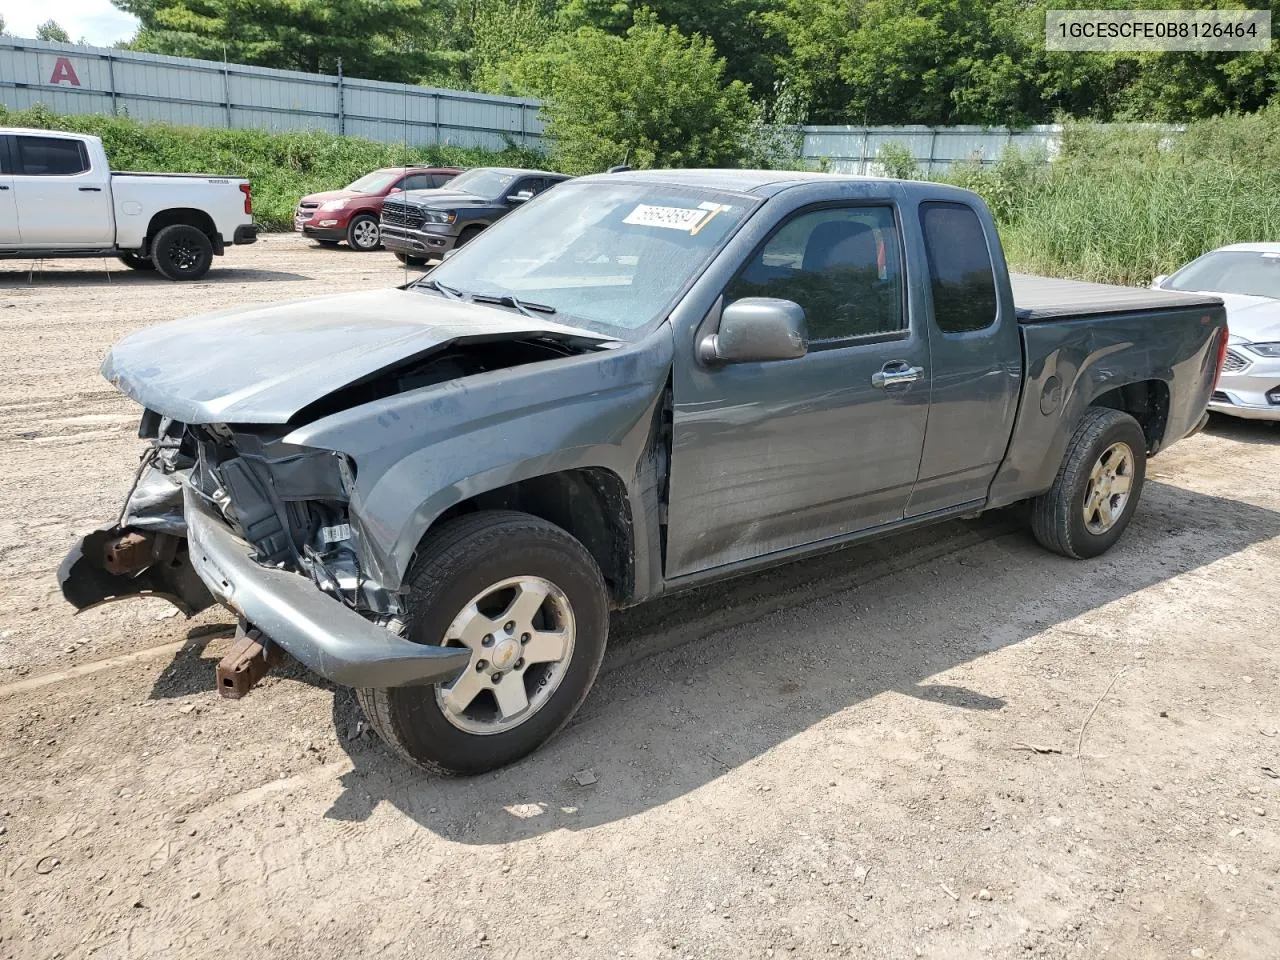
(590, 503)
(1147, 401)
(186, 215)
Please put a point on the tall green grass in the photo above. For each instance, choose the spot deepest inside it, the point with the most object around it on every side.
(1121, 205)
(282, 166)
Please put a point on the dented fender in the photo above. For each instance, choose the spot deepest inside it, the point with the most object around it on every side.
(420, 452)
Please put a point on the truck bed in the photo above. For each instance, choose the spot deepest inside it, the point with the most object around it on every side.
(1044, 299)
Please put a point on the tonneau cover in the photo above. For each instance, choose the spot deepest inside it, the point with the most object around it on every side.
(1040, 299)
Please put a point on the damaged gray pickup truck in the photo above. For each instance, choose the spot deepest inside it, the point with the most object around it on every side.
(636, 383)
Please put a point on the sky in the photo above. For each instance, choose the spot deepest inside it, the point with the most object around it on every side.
(96, 21)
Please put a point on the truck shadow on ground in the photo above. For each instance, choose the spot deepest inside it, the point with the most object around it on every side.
(26, 278)
(1264, 432)
(783, 650)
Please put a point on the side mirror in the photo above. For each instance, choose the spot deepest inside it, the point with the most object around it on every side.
(395, 190)
(757, 329)
(520, 197)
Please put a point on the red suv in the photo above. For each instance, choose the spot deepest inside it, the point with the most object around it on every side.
(351, 214)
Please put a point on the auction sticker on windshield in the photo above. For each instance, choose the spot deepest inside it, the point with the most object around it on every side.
(685, 219)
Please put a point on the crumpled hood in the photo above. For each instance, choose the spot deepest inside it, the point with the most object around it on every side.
(262, 364)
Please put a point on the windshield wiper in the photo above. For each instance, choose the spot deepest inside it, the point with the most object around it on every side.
(448, 291)
(526, 307)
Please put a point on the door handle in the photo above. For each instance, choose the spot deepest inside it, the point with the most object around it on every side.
(90, 189)
(895, 372)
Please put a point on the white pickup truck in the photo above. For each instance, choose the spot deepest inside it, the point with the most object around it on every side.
(59, 198)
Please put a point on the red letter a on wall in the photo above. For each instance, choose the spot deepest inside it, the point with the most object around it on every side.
(63, 71)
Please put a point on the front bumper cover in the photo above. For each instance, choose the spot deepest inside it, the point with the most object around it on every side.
(323, 233)
(417, 243)
(314, 628)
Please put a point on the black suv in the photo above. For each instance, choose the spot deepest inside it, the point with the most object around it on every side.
(426, 224)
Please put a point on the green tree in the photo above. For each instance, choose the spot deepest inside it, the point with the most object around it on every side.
(1178, 87)
(934, 61)
(378, 39)
(652, 96)
(49, 30)
(498, 36)
(969, 61)
(738, 28)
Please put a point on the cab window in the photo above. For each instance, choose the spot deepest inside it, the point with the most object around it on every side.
(50, 157)
(843, 265)
(960, 272)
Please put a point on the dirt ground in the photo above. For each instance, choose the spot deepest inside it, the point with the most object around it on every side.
(950, 744)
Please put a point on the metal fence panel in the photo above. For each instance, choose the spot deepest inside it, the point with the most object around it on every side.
(70, 78)
(849, 149)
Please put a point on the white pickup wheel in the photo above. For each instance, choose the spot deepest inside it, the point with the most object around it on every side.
(1097, 487)
(528, 601)
(182, 252)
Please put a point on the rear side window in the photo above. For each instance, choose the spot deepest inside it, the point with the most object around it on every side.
(440, 179)
(964, 285)
(50, 157)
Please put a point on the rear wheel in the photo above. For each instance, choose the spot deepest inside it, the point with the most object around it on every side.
(182, 252)
(136, 261)
(1097, 488)
(363, 233)
(528, 600)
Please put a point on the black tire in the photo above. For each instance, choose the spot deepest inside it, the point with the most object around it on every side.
(182, 252)
(137, 262)
(456, 564)
(467, 235)
(409, 261)
(1058, 516)
(364, 233)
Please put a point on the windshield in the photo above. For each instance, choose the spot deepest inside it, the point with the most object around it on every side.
(375, 182)
(607, 255)
(489, 184)
(1249, 272)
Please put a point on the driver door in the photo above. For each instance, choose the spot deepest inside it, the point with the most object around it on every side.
(775, 455)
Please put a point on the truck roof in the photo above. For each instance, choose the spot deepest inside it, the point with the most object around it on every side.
(69, 134)
(764, 183)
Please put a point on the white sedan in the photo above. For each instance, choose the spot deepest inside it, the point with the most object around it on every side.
(1247, 278)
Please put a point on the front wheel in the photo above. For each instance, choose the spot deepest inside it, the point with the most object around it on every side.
(363, 233)
(182, 252)
(528, 601)
(135, 261)
(1097, 488)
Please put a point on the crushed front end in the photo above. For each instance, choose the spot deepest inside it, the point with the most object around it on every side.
(233, 514)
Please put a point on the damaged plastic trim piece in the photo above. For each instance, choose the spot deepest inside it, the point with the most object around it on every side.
(119, 563)
(314, 628)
